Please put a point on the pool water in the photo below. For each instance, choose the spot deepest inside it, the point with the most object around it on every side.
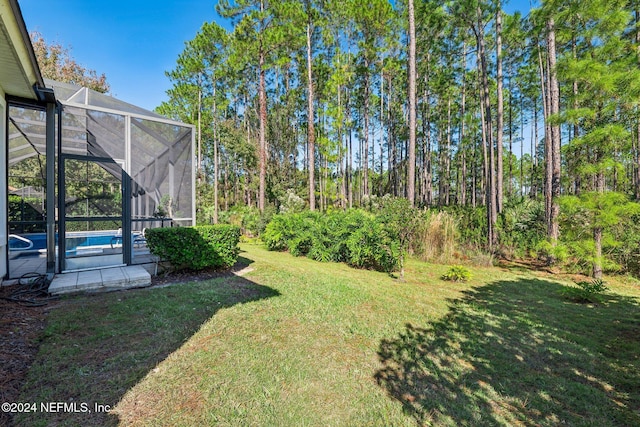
(74, 240)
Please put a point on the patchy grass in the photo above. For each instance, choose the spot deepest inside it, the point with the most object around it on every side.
(96, 347)
(297, 342)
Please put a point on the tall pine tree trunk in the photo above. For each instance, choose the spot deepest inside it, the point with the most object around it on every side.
(554, 98)
(597, 231)
(342, 157)
(411, 178)
(499, 112)
(427, 145)
(216, 160)
(637, 151)
(597, 264)
(350, 154)
(262, 154)
(491, 195)
(311, 133)
(463, 149)
(447, 157)
(393, 155)
(199, 171)
(522, 124)
(381, 140)
(485, 159)
(548, 164)
(365, 136)
(533, 191)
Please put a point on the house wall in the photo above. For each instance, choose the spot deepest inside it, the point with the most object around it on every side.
(3, 184)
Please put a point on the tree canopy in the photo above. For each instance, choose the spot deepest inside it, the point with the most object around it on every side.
(329, 101)
(56, 63)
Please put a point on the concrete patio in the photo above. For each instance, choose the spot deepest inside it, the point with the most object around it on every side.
(107, 279)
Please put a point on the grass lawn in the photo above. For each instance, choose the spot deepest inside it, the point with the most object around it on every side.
(296, 342)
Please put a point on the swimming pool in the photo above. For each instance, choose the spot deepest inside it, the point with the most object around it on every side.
(37, 242)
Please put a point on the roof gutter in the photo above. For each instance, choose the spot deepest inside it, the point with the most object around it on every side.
(45, 94)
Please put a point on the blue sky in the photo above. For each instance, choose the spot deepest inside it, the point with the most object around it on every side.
(133, 42)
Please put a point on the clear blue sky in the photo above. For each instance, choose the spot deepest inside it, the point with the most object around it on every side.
(133, 42)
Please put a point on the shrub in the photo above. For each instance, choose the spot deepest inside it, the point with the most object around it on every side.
(586, 292)
(626, 252)
(371, 247)
(284, 231)
(354, 237)
(614, 215)
(521, 226)
(290, 202)
(277, 233)
(457, 273)
(224, 239)
(195, 248)
(250, 220)
(471, 224)
(549, 252)
(333, 231)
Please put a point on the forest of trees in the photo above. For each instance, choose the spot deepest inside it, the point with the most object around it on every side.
(457, 106)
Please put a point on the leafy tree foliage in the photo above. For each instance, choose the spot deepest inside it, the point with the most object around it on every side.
(56, 63)
(312, 99)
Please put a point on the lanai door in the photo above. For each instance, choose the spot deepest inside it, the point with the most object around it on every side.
(91, 219)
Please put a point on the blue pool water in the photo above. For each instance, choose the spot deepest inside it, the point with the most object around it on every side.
(73, 241)
(39, 241)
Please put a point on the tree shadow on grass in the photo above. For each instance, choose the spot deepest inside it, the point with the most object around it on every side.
(517, 353)
(96, 347)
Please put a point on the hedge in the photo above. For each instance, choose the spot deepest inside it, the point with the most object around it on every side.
(195, 248)
(353, 237)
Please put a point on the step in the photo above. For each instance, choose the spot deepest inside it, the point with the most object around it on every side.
(106, 279)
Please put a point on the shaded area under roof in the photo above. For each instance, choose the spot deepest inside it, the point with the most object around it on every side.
(19, 71)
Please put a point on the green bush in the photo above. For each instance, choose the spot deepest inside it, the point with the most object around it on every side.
(333, 232)
(626, 251)
(275, 234)
(195, 248)
(353, 237)
(250, 220)
(371, 247)
(457, 273)
(471, 224)
(522, 227)
(288, 230)
(586, 292)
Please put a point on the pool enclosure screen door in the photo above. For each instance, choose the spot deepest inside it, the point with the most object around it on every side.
(92, 223)
(120, 170)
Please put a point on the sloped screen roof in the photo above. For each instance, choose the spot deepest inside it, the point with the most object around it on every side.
(70, 94)
(156, 153)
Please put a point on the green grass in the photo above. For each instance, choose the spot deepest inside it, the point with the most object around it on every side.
(296, 342)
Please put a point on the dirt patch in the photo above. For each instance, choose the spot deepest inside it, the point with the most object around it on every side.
(20, 329)
(166, 279)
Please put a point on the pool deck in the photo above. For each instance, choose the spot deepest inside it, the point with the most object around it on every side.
(106, 279)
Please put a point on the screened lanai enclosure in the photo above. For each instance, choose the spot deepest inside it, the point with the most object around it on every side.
(119, 170)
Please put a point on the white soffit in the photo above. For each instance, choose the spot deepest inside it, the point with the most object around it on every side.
(18, 73)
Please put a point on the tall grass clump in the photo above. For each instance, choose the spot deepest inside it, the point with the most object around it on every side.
(436, 235)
